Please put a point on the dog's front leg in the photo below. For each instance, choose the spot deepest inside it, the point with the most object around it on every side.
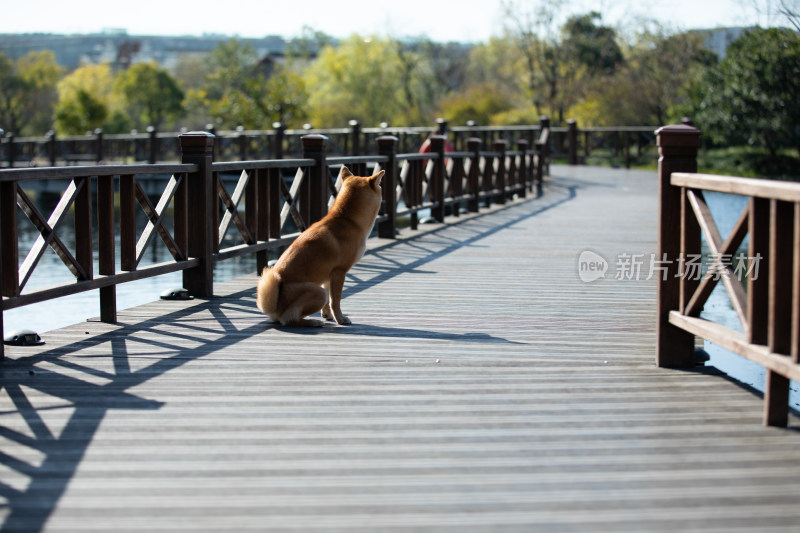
(336, 286)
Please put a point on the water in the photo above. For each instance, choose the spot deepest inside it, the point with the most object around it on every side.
(726, 209)
(61, 312)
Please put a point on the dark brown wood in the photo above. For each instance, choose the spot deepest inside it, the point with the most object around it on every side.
(48, 235)
(690, 250)
(66, 289)
(230, 204)
(758, 286)
(779, 329)
(31, 174)
(83, 227)
(736, 289)
(474, 175)
(781, 244)
(436, 181)
(314, 191)
(9, 248)
(274, 181)
(387, 147)
(776, 399)
(796, 286)
(678, 153)
(523, 168)
(106, 248)
(572, 136)
(127, 222)
(180, 222)
(258, 212)
(155, 216)
(197, 148)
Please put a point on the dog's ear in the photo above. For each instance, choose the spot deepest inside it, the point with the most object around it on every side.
(345, 173)
(375, 181)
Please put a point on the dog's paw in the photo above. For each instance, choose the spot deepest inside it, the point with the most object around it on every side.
(344, 321)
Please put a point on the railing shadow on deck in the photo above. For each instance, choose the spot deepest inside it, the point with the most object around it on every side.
(44, 485)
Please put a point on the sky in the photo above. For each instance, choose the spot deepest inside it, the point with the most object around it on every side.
(438, 20)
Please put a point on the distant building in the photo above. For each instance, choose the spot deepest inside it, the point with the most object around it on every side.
(718, 39)
(121, 50)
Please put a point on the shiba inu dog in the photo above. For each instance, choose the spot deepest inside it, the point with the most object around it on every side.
(310, 274)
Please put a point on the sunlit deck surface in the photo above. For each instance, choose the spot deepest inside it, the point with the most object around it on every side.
(482, 387)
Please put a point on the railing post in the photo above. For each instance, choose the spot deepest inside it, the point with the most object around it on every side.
(197, 148)
(51, 147)
(523, 168)
(153, 157)
(572, 135)
(9, 252)
(678, 153)
(10, 149)
(474, 176)
(499, 146)
(355, 139)
(241, 140)
(99, 144)
(779, 323)
(277, 139)
(436, 184)
(314, 191)
(387, 146)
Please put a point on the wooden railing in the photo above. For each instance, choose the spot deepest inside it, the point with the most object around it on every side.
(271, 203)
(767, 302)
(617, 146)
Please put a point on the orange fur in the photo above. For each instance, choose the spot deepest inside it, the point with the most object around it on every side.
(310, 274)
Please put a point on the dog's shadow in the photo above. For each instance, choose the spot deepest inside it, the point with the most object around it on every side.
(370, 330)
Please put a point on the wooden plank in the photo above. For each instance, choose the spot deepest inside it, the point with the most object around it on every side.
(760, 188)
(737, 343)
(28, 174)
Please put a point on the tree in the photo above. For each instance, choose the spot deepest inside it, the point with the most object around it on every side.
(85, 100)
(241, 89)
(28, 92)
(560, 65)
(652, 86)
(751, 96)
(151, 94)
(356, 80)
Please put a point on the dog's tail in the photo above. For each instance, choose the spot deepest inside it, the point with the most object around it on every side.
(267, 293)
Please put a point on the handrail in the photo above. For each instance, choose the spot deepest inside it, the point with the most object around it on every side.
(271, 202)
(619, 144)
(767, 301)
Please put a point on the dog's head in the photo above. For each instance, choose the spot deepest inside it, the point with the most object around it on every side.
(374, 181)
(359, 195)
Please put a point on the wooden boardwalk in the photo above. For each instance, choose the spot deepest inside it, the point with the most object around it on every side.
(482, 387)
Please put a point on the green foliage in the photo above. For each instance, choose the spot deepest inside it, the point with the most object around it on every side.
(751, 97)
(357, 80)
(651, 87)
(85, 100)
(241, 90)
(479, 103)
(28, 92)
(150, 93)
